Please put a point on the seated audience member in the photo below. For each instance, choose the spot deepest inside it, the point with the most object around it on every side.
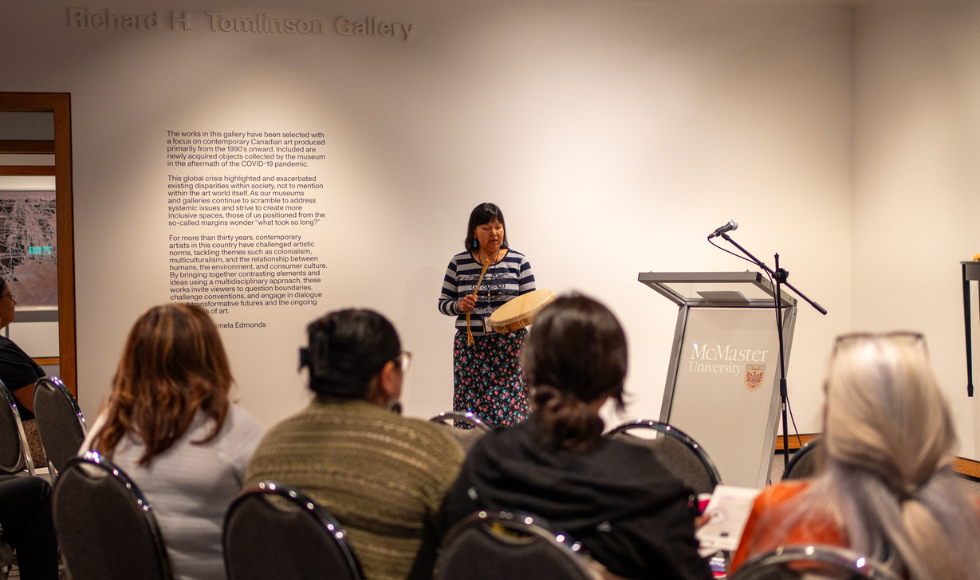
(19, 372)
(25, 515)
(169, 425)
(624, 507)
(384, 477)
(886, 489)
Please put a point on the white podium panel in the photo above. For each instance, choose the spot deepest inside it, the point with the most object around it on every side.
(726, 391)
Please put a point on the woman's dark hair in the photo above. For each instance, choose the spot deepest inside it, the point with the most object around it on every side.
(482, 215)
(347, 349)
(173, 365)
(576, 354)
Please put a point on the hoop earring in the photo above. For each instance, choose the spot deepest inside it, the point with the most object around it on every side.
(394, 405)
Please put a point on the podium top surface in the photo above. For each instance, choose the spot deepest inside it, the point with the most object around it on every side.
(738, 289)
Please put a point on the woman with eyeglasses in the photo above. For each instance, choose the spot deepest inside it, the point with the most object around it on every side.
(169, 425)
(886, 488)
(487, 375)
(381, 475)
(19, 372)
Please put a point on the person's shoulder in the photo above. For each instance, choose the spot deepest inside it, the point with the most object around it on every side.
(781, 492)
(514, 255)
(244, 422)
(462, 257)
(240, 434)
(437, 437)
(628, 449)
(510, 441)
(636, 459)
(9, 348)
(296, 421)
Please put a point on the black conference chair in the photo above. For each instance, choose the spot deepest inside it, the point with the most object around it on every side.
(105, 526)
(506, 545)
(275, 531)
(805, 462)
(811, 563)
(678, 452)
(468, 418)
(466, 436)
(59, 422)
(14, 454)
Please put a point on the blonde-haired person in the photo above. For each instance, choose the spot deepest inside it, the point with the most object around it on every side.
(886, 488)
(170, 426)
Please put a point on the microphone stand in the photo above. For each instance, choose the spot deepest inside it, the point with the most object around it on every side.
(779, 275)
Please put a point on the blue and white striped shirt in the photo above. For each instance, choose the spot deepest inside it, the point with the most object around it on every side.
(504, 281)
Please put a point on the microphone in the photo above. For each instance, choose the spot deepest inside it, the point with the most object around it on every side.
(731, 225)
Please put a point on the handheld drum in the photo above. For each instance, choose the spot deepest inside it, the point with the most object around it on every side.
(520, 312)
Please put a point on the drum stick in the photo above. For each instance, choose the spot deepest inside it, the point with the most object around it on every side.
(469, 331)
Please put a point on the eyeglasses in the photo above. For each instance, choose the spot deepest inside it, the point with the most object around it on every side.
(403, 360)
(901, 337)
(11, 296)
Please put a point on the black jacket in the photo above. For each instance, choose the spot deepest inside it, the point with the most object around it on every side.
(624, 507)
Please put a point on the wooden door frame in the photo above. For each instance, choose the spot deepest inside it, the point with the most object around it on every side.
(60, 105)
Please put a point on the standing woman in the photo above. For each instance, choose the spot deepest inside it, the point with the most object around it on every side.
(487, 375)
(169, 425)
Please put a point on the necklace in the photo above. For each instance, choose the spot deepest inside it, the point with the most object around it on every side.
(486, 267)
(490, 279)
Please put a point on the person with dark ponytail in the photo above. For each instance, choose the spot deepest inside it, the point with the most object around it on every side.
(625, 508)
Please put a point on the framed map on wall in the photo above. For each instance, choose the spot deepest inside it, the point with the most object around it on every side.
(29, 246)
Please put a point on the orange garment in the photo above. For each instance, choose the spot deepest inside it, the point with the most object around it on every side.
(764, 532)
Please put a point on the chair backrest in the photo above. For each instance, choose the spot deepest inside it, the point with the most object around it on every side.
(466, 437)
(14, 455)
(105, 526)
(468, 418)
(275, 531)
(59, 422)
(811, 563)
(805, 462)
(505, 545)
(678, 452)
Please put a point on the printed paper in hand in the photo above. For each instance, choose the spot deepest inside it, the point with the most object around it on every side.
(729, 509)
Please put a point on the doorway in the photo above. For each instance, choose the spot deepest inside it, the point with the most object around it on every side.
(37, 248)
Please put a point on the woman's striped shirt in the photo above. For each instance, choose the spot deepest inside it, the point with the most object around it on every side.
(503, 282)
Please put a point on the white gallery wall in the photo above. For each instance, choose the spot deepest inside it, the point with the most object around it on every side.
(614, 134)
(917, 181)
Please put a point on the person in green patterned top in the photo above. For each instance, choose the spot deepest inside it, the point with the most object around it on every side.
(383, 476)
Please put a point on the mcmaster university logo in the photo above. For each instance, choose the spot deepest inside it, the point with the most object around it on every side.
(754, 375)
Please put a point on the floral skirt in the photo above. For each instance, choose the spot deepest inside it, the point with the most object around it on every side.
(488, 377)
